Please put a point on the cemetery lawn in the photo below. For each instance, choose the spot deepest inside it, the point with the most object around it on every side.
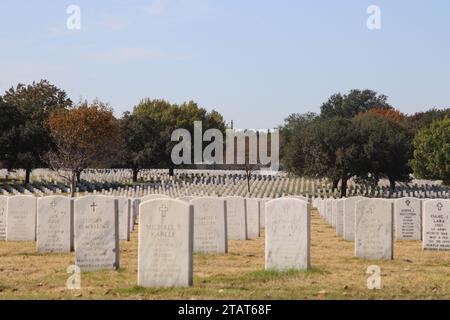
(335, 274)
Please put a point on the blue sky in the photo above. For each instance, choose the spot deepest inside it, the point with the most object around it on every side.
(255, 61)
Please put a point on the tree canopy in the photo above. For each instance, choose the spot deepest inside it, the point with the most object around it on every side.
(356, 101)
(356, 135)
(432, 151)
(165, 118)
(87, 136)
(32, 105)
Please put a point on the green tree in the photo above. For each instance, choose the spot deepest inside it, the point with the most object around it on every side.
(292, 142)
(140, 142)
(34, 104)
(386, 146)
(421, 120)
(432, 152)
(168, 117)
(325, 147)
(351, 104)
(10, 126)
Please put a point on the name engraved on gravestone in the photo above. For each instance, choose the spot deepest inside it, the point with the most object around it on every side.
(436, 224)
(54, 224)
(408, 219)
(21, 218)
(96, 233)
(210, 225)
(165, 243)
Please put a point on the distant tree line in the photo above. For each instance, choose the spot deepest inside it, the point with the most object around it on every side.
(356, 135)
(360, 135)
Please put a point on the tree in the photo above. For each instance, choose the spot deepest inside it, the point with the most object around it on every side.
(432, 152)
(140, 147)
(351, 104)
(10, 126)
(292, 141)
(34, 103)
(386, 147)
(85, 136)
(421, 120)
(391, 114)
(168, 117)
(326, 147)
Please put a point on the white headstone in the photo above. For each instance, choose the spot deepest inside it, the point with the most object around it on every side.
(340, 217)
(408, 219)
(96, 233)
(262, 213)
(124, 218)
(3, 207)
(349, 217)
(154, 196)
(328, 210)
(253, 223)
(54, 224)
(187, 198)
(374, 229)
(165, 243)
(334, 213)
(288, 228)
(210, 225)
(135, 202)
(21, 218)
(236, 218)
(436, 224)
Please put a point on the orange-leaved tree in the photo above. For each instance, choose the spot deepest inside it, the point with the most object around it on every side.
(391, 114)
(86, 136)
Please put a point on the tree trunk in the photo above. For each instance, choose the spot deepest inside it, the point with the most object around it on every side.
(27, 176)
(73, 184)
(78, 175)
(392, 184)
(135, 174)
(335, 184)
(344, 187)
(171, 171)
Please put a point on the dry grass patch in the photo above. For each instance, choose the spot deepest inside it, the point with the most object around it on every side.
(336, 274)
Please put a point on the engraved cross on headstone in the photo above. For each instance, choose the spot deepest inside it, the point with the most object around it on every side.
(93, 206)
(440, 206)
(163, 210)
(407, 203)
(53, 204)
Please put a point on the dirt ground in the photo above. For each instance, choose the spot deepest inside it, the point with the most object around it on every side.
(335, 274)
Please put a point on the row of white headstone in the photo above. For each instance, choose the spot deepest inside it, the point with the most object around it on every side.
(170, 230)
(373, 223)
